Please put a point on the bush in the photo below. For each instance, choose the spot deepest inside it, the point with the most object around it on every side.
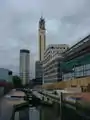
(17, 83)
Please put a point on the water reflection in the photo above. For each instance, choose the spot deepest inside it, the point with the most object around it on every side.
(40, 113)
(53, 112)
(27, 114)
(34, 114)
(1, 91)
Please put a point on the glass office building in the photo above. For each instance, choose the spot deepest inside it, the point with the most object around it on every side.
(5, 74)
(78, 67)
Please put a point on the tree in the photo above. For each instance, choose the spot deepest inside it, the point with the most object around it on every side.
(17, 83)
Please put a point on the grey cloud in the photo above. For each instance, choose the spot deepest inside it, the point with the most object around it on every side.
(60, 8)
(66, 21)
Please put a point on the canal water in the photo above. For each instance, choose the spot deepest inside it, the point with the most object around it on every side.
(40, 113)
(51, 112)
(34, 114)
(45, 112)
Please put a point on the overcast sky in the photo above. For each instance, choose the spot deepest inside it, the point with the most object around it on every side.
(67, 21)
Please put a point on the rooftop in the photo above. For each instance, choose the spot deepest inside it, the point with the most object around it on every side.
(24, 51)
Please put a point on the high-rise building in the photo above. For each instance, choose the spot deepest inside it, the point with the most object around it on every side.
(24, 65)
(42, 38)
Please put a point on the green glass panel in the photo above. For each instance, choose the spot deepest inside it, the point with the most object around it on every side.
(76, 62)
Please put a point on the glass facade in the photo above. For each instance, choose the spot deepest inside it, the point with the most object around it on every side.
(80, 71)
(1, 91)
(77, 67)
(6, 75)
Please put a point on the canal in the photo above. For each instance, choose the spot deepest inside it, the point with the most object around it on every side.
(67, 111)
(46, 113)
(39, 113)
(54, 113)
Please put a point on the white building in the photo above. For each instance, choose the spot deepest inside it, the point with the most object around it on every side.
(51, 63)
(24, 65)
(54, 50)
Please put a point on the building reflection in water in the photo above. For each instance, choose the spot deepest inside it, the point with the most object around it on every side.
(34, 114)
(28, 114)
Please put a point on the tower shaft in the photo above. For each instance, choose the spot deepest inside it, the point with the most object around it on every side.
(42, 39)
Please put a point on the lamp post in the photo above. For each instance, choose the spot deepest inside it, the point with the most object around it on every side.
(61, 106)
(42, 76)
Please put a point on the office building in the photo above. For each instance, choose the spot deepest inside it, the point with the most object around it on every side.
(42, 38)
(76, 62)
(54, 50)
(51, 63)
(24, 65)
(38, 72)
(5, 75)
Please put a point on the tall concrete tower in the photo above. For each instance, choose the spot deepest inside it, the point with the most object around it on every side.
(42, 38)
(24, 65)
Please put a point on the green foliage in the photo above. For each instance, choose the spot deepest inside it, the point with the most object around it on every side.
(17, 81)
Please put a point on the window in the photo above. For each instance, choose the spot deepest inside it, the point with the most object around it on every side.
(87, 72)
(52, 47)
(79, 74)
(40, 47)
(87, 66)
(10, 73)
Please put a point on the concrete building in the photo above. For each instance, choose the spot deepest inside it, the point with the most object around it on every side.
(51, 63)
(6, 75)
(54, 50)
(42, 39)
(24, 65)
(38, 72)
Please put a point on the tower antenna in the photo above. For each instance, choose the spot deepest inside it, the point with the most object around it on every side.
(41, 15)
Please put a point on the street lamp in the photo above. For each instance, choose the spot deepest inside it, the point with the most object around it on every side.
(61, 105)
(42, 76)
